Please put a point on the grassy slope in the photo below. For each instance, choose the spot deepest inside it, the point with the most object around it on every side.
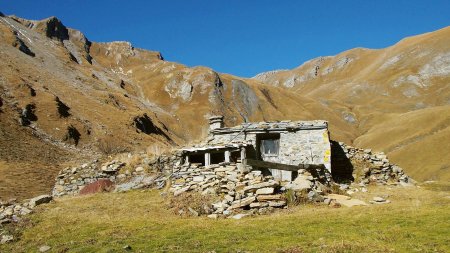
(416, 220)
(425, 138)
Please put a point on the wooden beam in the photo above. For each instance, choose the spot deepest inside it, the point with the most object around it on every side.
(280, 166)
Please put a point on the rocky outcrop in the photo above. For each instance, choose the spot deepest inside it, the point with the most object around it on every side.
(101, 185)
(20, 44)
(53, 28)
(28, 115)
(63, 109)
(144, 124)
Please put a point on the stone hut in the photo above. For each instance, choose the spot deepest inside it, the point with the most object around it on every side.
(278, 148)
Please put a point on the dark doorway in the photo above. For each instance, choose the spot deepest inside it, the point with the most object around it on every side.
(341, 166)
(197, 158)
(217, 157)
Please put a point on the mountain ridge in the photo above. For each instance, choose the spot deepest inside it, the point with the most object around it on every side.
(100, 98)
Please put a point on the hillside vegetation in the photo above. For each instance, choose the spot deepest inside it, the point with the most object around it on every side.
(415, 221)
(67, 100)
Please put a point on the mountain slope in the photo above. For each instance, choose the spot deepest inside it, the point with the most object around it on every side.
(398, 98)
(83, 99)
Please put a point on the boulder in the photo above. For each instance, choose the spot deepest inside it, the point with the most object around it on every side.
(351, 202)
(101, 185)
(42, 199)
(300, 183)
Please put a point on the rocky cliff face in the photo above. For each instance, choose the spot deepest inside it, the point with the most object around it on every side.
(82, 98)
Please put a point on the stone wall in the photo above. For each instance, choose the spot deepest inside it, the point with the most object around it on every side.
(376, 167)
(241, 191)
(309, 146)
(72, 179)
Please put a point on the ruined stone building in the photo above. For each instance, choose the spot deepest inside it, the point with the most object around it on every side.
(281, 147)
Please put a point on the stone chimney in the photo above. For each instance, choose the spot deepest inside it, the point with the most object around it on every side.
(215, 122)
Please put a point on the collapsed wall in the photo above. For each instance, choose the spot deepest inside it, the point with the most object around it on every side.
(147, 172)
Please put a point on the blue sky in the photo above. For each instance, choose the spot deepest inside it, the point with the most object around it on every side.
(243, 37)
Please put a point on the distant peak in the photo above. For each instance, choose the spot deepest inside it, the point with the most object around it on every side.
(53, 28)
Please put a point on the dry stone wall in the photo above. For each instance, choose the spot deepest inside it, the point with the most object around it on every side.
(146, 173)
(377, 168)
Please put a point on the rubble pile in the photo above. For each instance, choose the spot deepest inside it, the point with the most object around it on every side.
(379, 169)
(11, 212)
(240, 189)
(72, 179)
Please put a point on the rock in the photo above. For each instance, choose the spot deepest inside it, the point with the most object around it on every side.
(193, 212)
(44, 248)
(219, 205)
(267, 190)
(213, 216)
(178, 192)
(302, 182)
(268, 197)
(8, 211)
(239, 216)
(242, 202)
(259, 204)
(379, 199)
(344, 186)
(139, 169)
(42, 199)
(6, 239)
(101, 185)
(25, 211)
(5, 221)
(126, 247)
(277, 203)
(229, 198)
(198, 178)
(315, 196)
(260, 185)
(351, 202)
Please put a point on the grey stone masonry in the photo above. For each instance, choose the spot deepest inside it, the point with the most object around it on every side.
(300, 142)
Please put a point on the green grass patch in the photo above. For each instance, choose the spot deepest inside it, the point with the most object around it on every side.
(415, 221)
